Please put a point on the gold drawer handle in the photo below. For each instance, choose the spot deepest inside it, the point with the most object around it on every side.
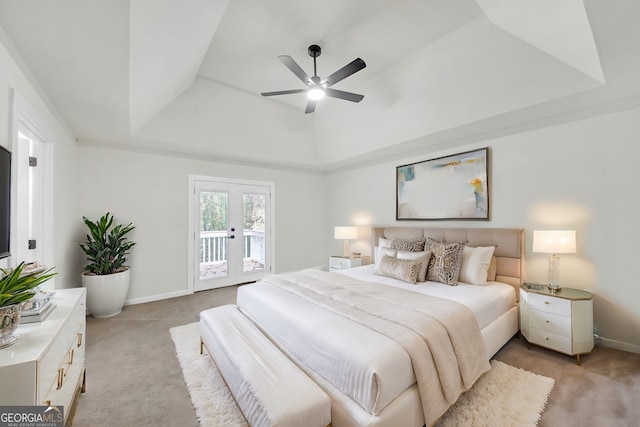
(79, 339)
(70, 362)
(60, 378)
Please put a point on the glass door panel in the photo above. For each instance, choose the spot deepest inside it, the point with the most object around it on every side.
(214, 220)
(254, 214)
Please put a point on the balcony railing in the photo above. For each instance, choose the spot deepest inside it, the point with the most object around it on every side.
(213, 245)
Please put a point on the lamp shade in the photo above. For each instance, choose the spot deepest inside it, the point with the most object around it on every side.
(554, 241)
(345, 233)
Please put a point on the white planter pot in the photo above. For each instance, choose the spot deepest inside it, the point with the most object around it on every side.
(106, 294)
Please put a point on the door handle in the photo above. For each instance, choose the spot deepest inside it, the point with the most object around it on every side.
(232, 237)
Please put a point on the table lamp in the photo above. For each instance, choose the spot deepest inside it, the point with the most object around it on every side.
(554, 242)
(346, 234)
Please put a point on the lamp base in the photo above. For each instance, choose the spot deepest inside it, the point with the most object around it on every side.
(554, 273)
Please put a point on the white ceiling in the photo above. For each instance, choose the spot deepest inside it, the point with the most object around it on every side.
(185, 77)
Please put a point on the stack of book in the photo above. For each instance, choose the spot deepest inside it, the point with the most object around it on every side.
(38, 313)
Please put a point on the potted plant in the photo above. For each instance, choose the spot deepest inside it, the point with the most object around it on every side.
(15, 289)
(106, 277)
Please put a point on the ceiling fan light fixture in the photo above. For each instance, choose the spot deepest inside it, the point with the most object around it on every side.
(315, 94)
(318, 88)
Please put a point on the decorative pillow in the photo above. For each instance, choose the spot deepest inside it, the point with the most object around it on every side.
(475, 264)
(404, 270)
(491, 275)
(384, 243)
(423, 257)
(380, 252)
(446, 259)
(409, 245)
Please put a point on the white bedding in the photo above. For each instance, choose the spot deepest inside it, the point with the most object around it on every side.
(487, 302)
(379, 368)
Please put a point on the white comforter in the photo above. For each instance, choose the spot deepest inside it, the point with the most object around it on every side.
(487, 302)
(440, 337)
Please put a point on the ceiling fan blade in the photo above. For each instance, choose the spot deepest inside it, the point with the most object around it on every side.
(295, 68)
(283, 92)
(348, 96)
(311, 106)
(344, 72)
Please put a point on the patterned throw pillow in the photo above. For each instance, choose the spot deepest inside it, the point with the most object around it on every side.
(404, 270)
(410, 245)
(423, 257)
(445, 262)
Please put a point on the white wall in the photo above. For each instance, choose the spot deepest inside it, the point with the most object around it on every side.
(152, 190)
(64, 209)
(582, 175)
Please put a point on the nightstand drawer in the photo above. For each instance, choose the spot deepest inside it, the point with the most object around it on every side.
(550, 304)
(338, 263)
(549, 322)
(550, 340)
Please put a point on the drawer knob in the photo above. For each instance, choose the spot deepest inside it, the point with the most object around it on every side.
(546, 321)
(546, 302)
(547, 338)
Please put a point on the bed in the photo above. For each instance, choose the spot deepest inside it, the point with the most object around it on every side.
(388, 352)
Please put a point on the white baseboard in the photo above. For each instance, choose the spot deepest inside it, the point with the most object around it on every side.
(618, 345)
(158, 297)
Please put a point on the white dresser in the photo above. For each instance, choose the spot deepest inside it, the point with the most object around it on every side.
(46, 366)
(561, 321)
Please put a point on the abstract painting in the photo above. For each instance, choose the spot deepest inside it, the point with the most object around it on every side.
(450, 187)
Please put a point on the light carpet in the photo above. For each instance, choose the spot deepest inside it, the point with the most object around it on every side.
(504, 396)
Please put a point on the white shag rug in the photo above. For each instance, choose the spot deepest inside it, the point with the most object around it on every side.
(504, 396)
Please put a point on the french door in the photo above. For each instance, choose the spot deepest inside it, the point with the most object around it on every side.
(232, 232)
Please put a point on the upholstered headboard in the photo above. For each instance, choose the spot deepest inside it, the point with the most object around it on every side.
(509, 246)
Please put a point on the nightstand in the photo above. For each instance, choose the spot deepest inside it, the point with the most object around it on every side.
(337, 263)
(561, 321)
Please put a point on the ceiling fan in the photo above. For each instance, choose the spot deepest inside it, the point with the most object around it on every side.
(317, 88)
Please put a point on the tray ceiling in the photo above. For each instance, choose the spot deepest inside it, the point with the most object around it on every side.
(185, 77)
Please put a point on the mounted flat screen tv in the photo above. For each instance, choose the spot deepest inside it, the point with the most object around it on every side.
(5, 201)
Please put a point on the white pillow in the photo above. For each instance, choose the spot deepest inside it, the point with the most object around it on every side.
(380, 252)
(475, 264)
(423, 257)
(384, 243)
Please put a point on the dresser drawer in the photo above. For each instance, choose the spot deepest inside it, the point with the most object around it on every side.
(550, 340)
(549, 304)
(549, 322)
(64, 349)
